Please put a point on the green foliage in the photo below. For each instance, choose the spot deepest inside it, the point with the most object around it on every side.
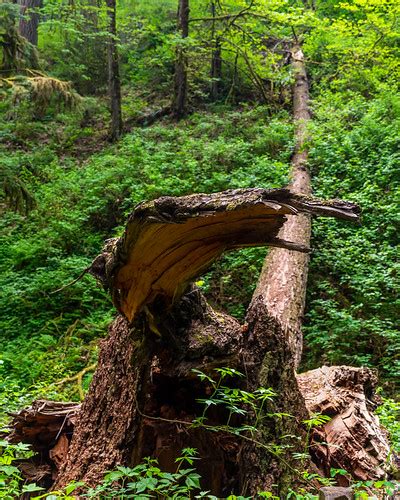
(234, 400)
(11, 482)
(47, 336)
(68, 190)
(389, 416)
(353, 303)
(147, 480)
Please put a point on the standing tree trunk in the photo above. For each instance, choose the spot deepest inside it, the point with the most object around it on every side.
(179, 102)
(28, 25)
(143, 397)
(114, 82)
(216, 71)
(283, 281)
(216, 60)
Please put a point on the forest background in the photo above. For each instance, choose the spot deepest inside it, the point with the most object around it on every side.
(66, 188)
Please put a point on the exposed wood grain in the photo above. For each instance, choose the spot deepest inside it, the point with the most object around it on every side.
(353, 439)
(170, 241)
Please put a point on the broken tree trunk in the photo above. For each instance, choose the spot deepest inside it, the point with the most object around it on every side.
(144, 395)
(283, 280)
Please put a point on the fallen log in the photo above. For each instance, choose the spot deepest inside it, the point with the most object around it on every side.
(47, 426)
(42, 423)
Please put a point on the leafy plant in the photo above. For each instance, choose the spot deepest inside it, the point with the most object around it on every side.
(11, 482)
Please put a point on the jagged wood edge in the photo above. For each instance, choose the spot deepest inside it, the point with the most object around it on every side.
(178, 210)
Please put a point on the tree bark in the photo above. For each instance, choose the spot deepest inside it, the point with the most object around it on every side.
(143, 397)
(352, 440)
(179, 102)
(216, 60)
(114, 82)
(283, 280)
(28, 25)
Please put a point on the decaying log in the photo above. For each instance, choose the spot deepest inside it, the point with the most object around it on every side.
(352, 440)
(43, 423)
(47, 426)
(170, 241)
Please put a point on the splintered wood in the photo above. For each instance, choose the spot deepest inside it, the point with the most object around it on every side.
(43, 423)
(170, 241)
(47, 426)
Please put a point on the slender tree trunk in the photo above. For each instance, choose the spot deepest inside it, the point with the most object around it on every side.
(216, 60)
(28, 26)
(216, 71)
(179, 103)
(114, 82)
(283, 281)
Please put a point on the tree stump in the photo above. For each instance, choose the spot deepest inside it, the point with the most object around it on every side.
(143, 396)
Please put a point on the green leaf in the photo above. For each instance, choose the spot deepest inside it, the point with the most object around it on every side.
(27, 488)
(9, 470)
(73, 486)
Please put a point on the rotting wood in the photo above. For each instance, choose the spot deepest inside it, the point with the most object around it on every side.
(42, 423)
(353, 439)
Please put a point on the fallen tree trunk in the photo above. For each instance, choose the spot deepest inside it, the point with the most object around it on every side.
(283, 281)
